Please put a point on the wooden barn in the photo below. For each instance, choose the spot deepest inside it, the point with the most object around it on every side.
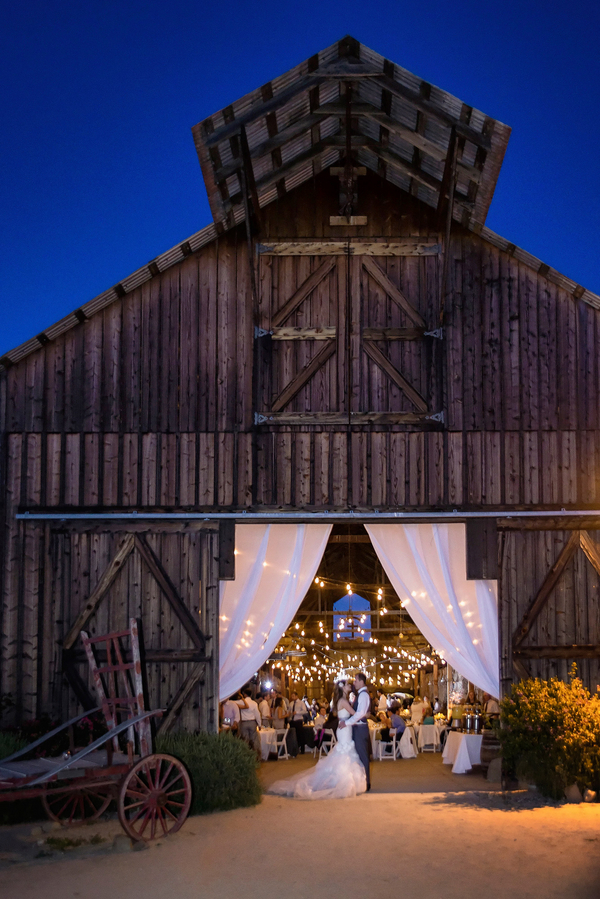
(347, 341)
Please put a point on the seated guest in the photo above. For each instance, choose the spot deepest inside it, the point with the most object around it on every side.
(428, 719)
(321, 718)
(386, 723)
(279, 714)
(397, 721)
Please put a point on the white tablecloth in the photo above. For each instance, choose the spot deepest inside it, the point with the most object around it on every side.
(462, 751)
(268, 741)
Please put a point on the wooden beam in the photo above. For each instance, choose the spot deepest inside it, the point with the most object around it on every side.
(354, 246)
(303, 333)
(429, 107)
(342, 418)
(373, 351)
(303, 291)
(227, 551)
(273, 143)
(392, 291)
(303, 377)
(259, 110)
(108, 575)
(393, 333)
(521, 670)
(181, 610)
(546, 589)
(482, 549)
(184, 692)
(590, 549)
(448, 181)
(575, 651)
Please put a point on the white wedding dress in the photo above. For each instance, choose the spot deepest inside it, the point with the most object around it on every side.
(338, 775)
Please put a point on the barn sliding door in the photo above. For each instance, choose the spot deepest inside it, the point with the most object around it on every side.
(346, 333)
(100, 577)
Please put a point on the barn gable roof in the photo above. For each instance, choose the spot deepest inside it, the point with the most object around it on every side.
(398, 125)
(278, 136)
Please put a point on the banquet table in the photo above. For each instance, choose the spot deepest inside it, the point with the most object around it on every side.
(462, 751)
(268, 742)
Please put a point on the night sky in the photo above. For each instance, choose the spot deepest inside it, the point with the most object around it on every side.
(99, 173)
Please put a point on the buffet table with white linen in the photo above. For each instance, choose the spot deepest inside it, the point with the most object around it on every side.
(268, 742)
(462, 751)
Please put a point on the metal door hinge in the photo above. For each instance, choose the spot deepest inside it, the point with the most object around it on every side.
(260, 332)
(437, 416)
(438, 333)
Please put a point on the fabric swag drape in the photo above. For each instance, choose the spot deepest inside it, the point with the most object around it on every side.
(274, 567)
(426, 564)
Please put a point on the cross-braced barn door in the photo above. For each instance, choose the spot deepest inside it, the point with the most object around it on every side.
(346, 337)
(169, 580)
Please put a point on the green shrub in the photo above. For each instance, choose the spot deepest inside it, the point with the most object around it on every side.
(222, 767)
(10, 742)
(550, 734)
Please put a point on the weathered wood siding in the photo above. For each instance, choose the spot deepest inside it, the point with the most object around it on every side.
(571, 616)
(150, 404)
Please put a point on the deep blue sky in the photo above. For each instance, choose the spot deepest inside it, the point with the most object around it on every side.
(99, 173)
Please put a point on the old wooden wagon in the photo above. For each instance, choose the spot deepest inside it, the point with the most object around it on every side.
(347, 339)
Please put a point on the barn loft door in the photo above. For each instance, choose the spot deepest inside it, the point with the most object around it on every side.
(345, 333)
(166, 578)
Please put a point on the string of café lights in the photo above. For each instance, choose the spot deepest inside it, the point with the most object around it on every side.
(338, 669)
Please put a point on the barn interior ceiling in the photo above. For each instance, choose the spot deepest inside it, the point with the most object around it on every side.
(386, 644)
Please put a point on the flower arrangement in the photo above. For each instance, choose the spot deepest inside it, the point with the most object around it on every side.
(439, 716)
(550, 733)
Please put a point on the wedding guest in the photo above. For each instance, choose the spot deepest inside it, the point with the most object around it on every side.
(265, 711)
(321, 718)
(249, 720)
(296, 713)
(470, 700)
(398, 721)
(386, 723)
(381, 701)
(279, 714)
(416, 711)
(490, 706)
(230, 714)
(437, 705)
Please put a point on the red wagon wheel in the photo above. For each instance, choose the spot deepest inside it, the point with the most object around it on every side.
(155, 797)
(75, 805)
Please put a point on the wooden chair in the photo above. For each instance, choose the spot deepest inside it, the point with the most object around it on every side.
(281, 744)
(327, 743)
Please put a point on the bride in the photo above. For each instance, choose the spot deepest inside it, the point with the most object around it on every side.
(338, 775)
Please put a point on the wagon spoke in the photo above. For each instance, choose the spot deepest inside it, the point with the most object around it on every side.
(161, 818)
(174, 781)
(164, 777)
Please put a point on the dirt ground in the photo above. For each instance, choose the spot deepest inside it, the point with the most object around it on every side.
(465, 843)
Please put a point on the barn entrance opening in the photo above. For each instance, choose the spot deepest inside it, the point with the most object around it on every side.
(352, 619)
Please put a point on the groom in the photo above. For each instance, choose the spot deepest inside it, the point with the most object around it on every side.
(360, 728)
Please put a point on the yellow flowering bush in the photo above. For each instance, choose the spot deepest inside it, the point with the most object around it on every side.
(550, 734)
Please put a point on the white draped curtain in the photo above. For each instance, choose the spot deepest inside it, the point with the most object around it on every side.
(426, 565)
(274, 567)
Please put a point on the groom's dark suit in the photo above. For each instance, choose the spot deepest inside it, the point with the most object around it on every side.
(362, 743)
